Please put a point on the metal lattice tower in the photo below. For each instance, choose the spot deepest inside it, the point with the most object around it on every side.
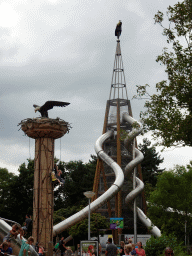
(104, 177)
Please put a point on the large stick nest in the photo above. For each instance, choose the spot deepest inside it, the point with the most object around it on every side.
(44, 127)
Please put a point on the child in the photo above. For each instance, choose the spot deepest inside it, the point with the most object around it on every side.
(128, 249)
(56, 176)
(133, 251)
(122, 245)
(61, 180)
(41, 249)
(37, 247)
(69, 252)
(6, 249)
(25, 245)
(12, 233)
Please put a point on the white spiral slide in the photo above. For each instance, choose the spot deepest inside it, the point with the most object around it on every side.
(119, 178)
(111, 192)
(140, 185)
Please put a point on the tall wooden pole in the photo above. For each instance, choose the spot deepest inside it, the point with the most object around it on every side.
(43, 191)
(44, 131)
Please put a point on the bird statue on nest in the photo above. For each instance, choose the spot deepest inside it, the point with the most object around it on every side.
(118, 29)
(49, 105)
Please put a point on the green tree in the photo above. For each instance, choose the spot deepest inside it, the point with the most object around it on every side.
(155, 246)
(16, 193)
(64, 213)
(79, 178)
(58, 216)
(170, 205)
(6, 180)
(21, 192)
(150, 163)
(80, 230)
(169, 112)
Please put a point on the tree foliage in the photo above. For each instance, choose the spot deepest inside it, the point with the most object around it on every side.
(169, 111)
(80, 230)
(6, 181)
(156, 246)
(79, 178)
(170, 205)
(16, 196)
(16, 191)
(150, 163)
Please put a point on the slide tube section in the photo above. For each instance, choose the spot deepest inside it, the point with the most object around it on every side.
(130, 166)
(111, 192)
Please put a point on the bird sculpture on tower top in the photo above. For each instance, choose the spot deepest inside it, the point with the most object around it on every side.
(49, 105)
(118, 29)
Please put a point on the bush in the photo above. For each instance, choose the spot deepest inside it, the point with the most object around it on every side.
(156, 246)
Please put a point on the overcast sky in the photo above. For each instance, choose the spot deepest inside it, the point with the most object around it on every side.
(64, 50)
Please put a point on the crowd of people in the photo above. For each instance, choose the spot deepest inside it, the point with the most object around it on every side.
(130, 249)
(25, 235)
(6, 246)
(111, 249)
(26, 231)
(125, 249)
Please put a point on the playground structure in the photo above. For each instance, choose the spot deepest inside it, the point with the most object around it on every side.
(117, 157)
(122, 148)
(113, 152)
(110, 193)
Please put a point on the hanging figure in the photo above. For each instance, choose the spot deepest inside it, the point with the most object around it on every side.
(118, 29)
(56, 176)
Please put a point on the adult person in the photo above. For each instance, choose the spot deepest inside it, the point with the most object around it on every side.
(111, 249)
(168, 251)
(100, 248)
(29, 224)
(121, 251)
(78, 250)
(62, 246)
(140, 250)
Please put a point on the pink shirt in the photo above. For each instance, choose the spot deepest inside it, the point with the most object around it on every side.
(41, 250)
(141, 252)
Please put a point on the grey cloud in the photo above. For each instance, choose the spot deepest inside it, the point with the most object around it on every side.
(66, 52)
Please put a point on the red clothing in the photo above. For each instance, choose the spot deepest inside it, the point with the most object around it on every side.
(41, 250)
(141, 252)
